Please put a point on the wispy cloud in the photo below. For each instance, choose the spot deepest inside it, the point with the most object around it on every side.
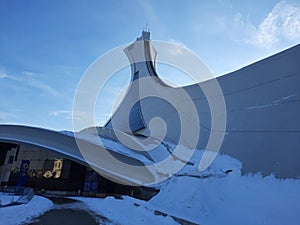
(149, 10)
(151, 17)
(226, 3)
(30, 79)
(178, 48)
(282, 24)
(70, 115)
(42, 86)
(3, 75)
(67, 113)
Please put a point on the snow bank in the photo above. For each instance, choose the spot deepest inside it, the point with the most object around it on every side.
(6, 198)
(125, 211)
(233, 199)
(219, 195)
(219, 167)
(133, 211)
(14, 215)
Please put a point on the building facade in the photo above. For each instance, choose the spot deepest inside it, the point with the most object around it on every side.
(46, 169)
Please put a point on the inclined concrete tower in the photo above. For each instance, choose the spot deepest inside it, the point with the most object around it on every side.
(262, 106)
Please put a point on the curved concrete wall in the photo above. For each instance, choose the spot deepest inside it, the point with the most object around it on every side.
(263, 124)
(263, 106)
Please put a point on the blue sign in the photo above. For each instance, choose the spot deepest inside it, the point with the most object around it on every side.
(23, 173)
(90, 186)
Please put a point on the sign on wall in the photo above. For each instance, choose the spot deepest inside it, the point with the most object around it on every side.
(56, 171)
(23, 173)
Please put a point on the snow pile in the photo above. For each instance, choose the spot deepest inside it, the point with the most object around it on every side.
(233, 199)
(133, 211)
(125, 211)
(6, 198)
(220, 195)
(19, 214)
(221, 165)
(110, 144)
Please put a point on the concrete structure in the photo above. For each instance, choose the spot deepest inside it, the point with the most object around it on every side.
(47, 169)
(67, 146)
(263, 125)
(262, 101)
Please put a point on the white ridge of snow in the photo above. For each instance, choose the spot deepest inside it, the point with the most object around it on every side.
(126, 211)
(113, 146)
(232, 199)
(19, 214)
(6, 198)
(228, 200)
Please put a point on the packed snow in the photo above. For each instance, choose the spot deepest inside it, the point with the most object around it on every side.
(126, 211)
(219, 195)
(6, 198)
(231, 200)
(19, 214)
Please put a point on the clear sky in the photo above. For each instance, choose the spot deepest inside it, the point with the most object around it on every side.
(45, 46)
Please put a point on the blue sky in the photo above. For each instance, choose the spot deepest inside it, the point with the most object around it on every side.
(45, 46)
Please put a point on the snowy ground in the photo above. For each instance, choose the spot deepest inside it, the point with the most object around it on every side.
(7, 198)
(228, 200)
(14, 215)
(231, 200)
(211, 197)
(127, 211)
(218, 195)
